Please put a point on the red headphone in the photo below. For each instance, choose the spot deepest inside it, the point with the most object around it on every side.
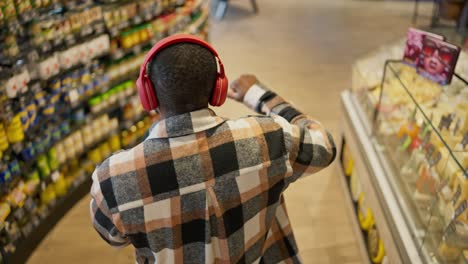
(145, 86)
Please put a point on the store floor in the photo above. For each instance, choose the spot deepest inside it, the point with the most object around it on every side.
(303, 49)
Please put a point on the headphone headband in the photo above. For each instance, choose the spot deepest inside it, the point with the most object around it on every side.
(175, 39)
(145, 86)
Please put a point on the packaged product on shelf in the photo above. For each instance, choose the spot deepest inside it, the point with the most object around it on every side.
(114, 143)
(375, 245)
(365, 215)
(49, 67)
(104, 124)
(43, 166)
(55, 127)
(14, 130)
(426, 186)
(30, 186)
(141, 129)
(48, 195)
(97, 130)
(52, 158)
(3, 138)
(5, 210)
(12, 87)
(447, 253)
(70, 150)
(355, 185)
(88, 136)
(95, 155)
(105, 150)
(78, 142)
(60, 185)
(347, 161)
(16, 197)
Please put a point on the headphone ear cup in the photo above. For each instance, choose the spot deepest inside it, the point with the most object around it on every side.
(219, 94)
(147, 94)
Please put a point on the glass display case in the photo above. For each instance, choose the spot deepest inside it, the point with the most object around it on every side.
(418, 132)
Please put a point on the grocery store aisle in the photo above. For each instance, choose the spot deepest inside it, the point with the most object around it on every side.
(304, 50)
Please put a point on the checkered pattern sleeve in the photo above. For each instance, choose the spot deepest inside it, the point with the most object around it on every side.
(311, 148)
(102, 217)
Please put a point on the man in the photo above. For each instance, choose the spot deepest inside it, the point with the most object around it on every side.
(201, 188)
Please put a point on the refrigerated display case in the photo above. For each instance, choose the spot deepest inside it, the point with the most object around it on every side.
(407, 139)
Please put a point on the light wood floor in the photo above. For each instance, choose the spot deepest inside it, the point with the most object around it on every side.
(304, 50)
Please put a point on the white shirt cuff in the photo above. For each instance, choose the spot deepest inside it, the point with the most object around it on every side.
(253, 95)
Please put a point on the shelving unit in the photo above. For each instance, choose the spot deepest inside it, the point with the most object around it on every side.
(26, 225)
(382, 200)
(352, 213)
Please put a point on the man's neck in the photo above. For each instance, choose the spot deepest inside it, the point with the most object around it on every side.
(166, 113)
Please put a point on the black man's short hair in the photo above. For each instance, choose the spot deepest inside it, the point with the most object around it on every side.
(184, 76)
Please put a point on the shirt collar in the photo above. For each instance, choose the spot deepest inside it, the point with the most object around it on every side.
(185, 124)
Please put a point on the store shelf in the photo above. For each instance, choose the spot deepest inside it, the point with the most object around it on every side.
(383, 201)
(26, 246)
(195, 26)
(352, 210)
(33, 223)
(58, 209)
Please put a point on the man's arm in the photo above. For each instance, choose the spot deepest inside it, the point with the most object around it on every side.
(102, 217)
(310, 146)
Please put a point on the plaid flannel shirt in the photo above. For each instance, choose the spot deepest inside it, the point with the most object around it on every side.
(203, 189)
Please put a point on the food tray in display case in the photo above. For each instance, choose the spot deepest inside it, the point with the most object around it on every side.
(409, 139)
